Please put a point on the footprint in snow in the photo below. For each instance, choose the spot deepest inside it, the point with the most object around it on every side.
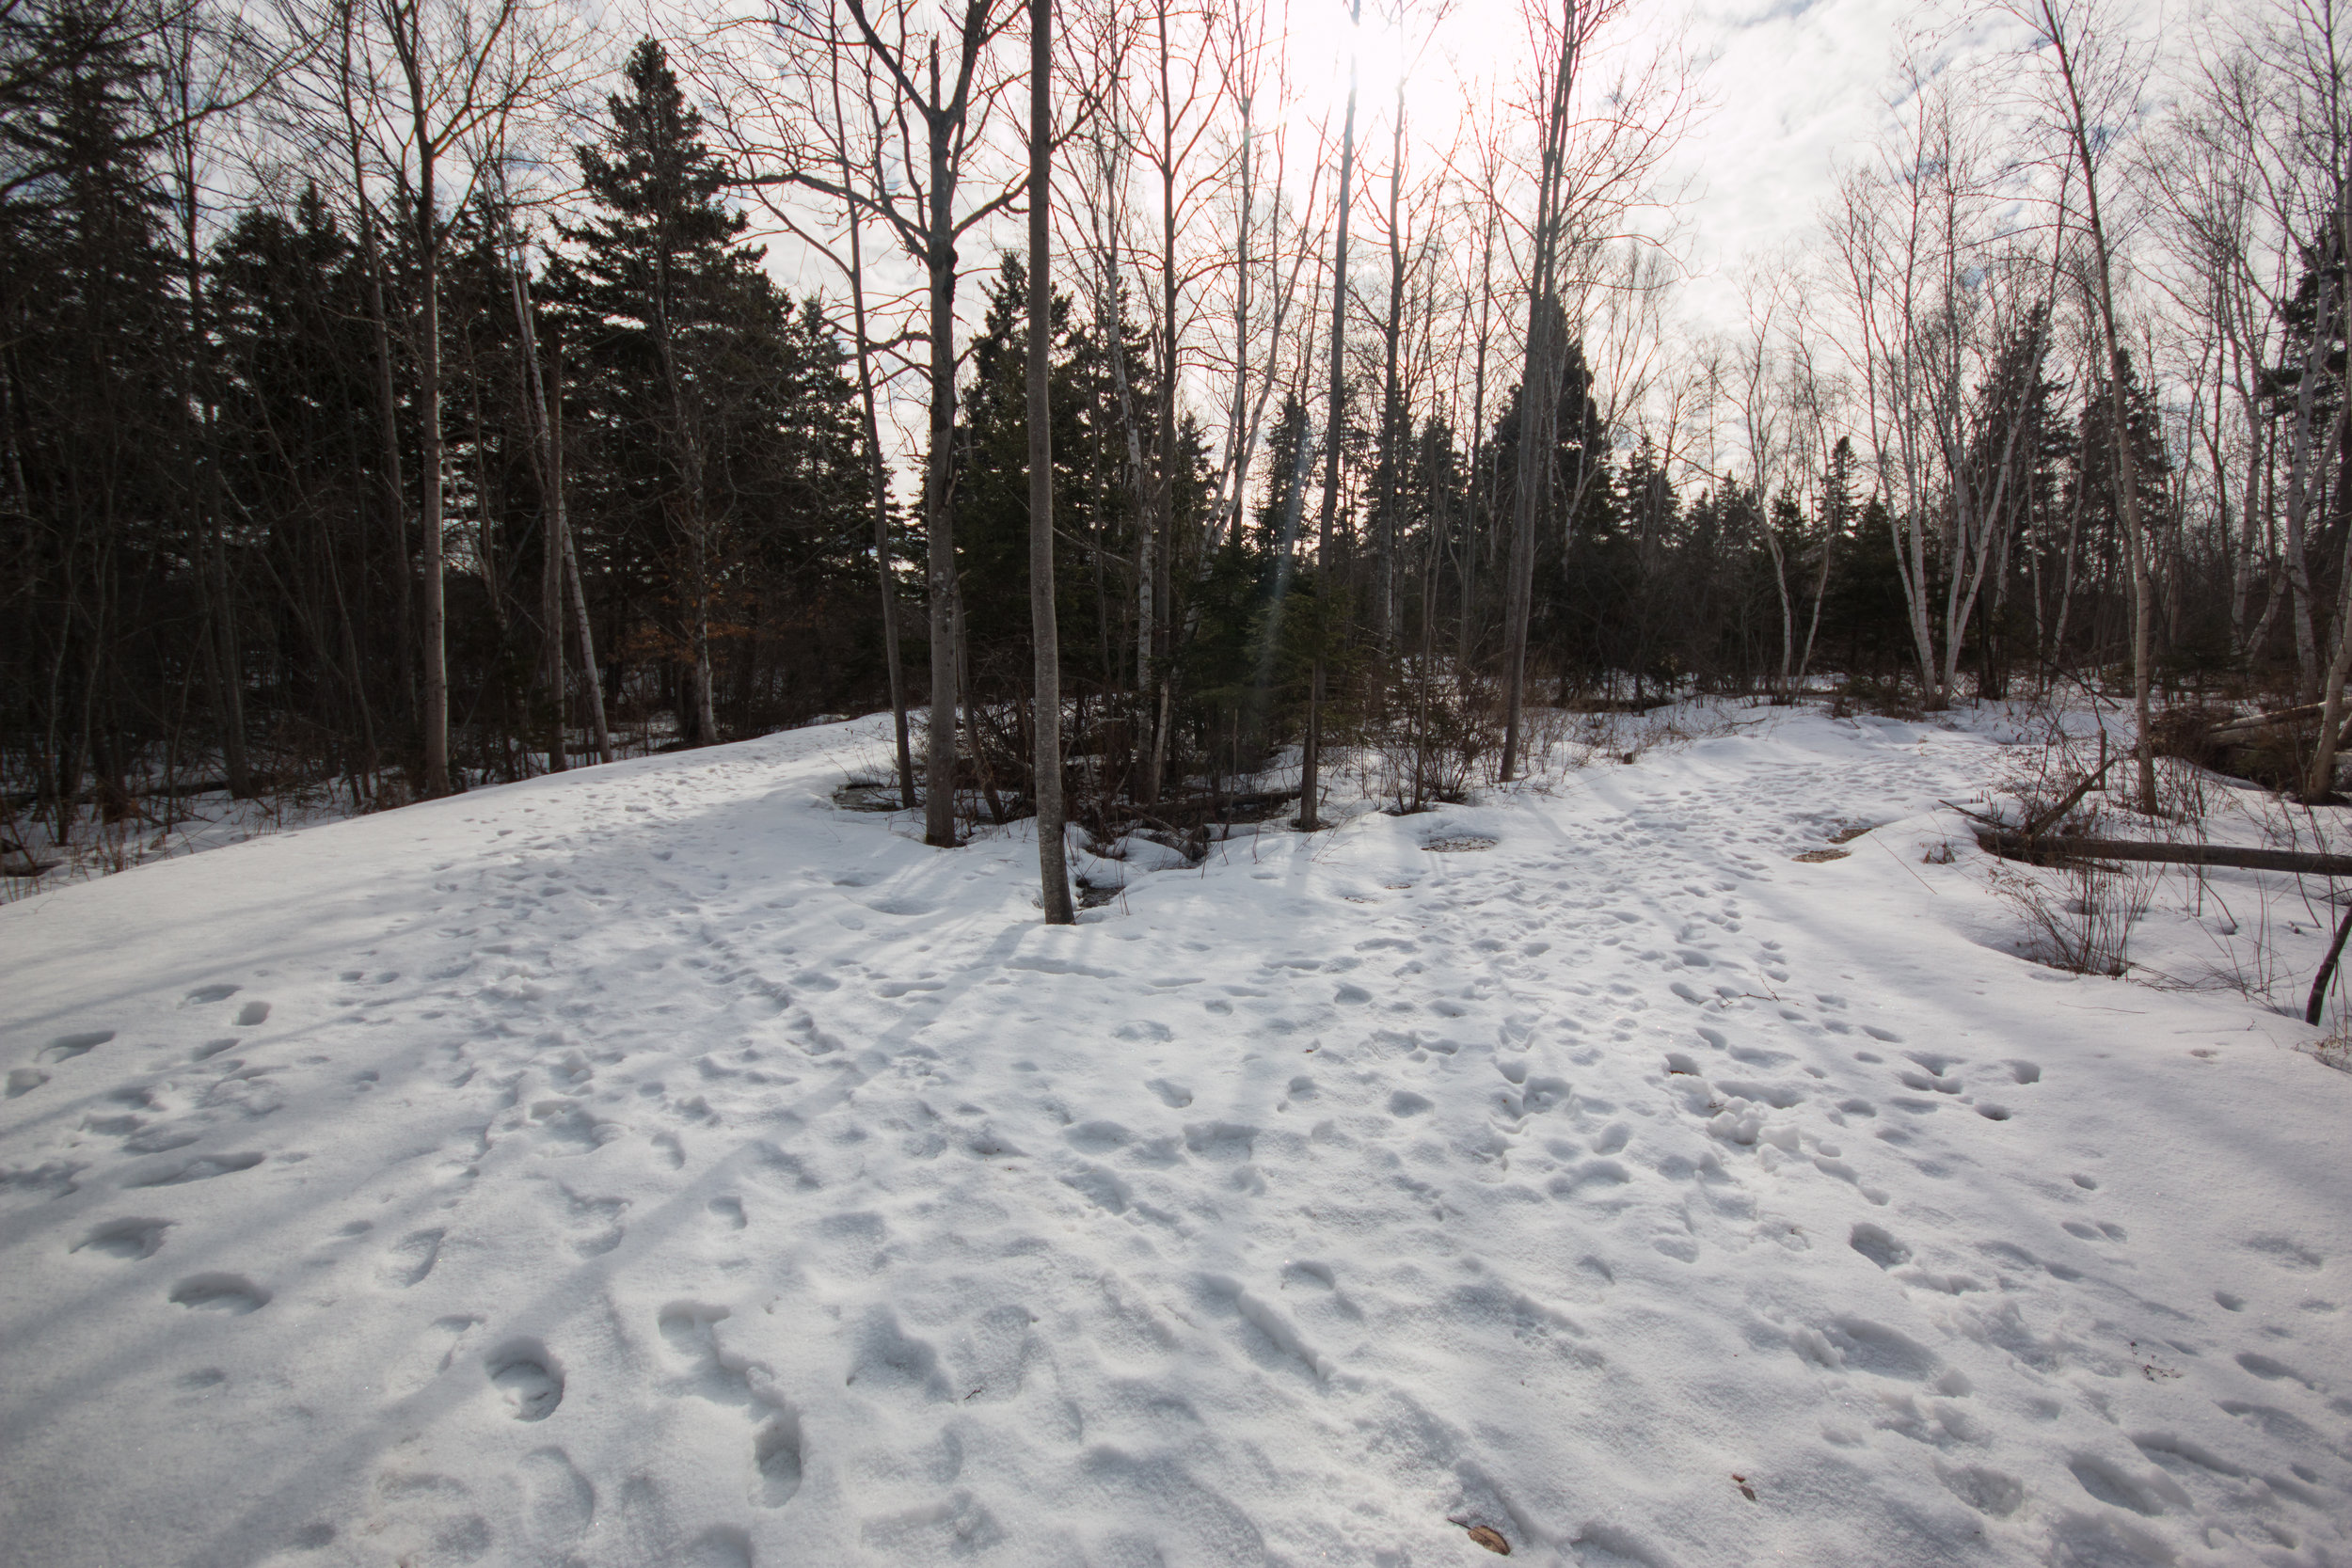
(527, 1378)
(202, 1168)
(127, 1239)
(1858, 1344)
(251, 1013)
(595, 1223)
(2110, 1485)
(2271, 1370)
(412, 1259)
(2286, 1253)
(203, 994)
(66, 1047)
(1879, 1246)
(232, 1294)
(776, 1461)
(1097, 1137)
(559, 1503)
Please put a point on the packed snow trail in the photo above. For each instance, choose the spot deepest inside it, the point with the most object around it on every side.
(659, 1164)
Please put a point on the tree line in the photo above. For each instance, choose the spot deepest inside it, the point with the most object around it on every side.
(398, 395)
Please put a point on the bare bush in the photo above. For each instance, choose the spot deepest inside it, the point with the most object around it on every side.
(2333, 1051)
(2080, 919)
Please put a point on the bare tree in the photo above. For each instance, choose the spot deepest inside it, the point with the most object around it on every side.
(1595, 147)
(2093, 78)
(840, 132)
(459, 72)
(931, 131)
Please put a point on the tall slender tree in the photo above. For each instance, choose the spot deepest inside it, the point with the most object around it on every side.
(1052, 865)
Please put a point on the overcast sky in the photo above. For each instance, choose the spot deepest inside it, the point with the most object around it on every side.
(1790, 86)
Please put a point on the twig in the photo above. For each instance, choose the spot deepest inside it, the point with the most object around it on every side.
(1914, 875)
(2049, 819)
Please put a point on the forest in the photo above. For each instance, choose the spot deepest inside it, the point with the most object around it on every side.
(400, 395)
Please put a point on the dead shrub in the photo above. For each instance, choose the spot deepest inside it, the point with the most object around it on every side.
(2184, 732)
(1888, 699)
(2081, 919)
(2335, 1051)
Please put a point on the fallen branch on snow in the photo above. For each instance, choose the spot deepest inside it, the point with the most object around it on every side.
(2049, 846)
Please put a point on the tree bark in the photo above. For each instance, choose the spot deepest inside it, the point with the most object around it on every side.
(880, 477)
(1334, 425)
(435, 628)
(1052, 852)
(939, 801)
(2018, 847)
(2126, 459)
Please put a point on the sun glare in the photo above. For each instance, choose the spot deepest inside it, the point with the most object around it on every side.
(1390, 52)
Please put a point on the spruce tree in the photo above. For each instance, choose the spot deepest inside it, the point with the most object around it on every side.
(660, 285)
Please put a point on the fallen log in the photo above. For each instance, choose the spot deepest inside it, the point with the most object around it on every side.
(2036, 851)
(1204, 807)
(2269, 747)
(2049, 846)
(2303, 715)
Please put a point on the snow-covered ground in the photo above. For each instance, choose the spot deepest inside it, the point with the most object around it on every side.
(165, 829)
(659, 1164)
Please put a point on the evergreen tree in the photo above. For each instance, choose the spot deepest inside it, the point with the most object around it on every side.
(93, 334)
(661, 296)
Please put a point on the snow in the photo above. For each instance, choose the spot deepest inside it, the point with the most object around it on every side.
(166, 828)
(657, 1163)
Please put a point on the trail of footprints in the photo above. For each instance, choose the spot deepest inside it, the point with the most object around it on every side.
(154, 1124)
(1901, 1092)
(1739, 1093)
(169, 1132)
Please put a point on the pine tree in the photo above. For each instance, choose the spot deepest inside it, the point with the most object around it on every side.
(661, 291)
(92, 331)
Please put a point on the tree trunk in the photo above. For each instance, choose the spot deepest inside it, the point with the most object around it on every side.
(881, 476)
(939, 803)
(1539, 395)
(1162, 535)
(1391, 411)
(1311, 759)
(1052, 863)
(437, 770)
(2126, 459)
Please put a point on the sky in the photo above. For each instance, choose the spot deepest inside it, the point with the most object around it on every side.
(1788, 90)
